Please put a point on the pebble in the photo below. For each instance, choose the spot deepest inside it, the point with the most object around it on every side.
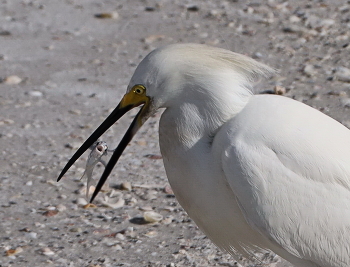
(152, 156)
(293, 29)
(109, 202)
(5, 33)
(126, 186)
(61, 207)
(35, 93)
(81, 201)
(31, 235)
(12, 80)
(279, 90)
(168, 190)
(146, 208)
(75, 111)
(151, 234)
(150, 195)
(6, 121)
(47, 252)
(167, 220)
(117, 247)
(12, 252)
(50, 213)
(294, 19)
(89, 206)
(153, 38)
(309, 70)
(120, 236)
(192, 8)
(76, 230)
(112, 15)
(345, 102)
(343, 74)
(152, 217)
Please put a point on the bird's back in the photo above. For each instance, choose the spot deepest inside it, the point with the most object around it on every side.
(289, 167)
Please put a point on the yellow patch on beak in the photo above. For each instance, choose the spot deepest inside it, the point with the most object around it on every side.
(135, 97)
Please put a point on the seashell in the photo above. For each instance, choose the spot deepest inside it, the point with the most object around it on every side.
(152, 217)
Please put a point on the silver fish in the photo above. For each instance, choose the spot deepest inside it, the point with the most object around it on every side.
(98, 150)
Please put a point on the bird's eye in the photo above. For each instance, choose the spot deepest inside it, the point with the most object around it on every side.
(139, 89)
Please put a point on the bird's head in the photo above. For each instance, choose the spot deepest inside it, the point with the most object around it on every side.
(165, 77)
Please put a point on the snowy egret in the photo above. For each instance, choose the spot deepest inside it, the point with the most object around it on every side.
(253, 171)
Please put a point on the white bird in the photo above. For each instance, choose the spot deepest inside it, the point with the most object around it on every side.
(252, 171)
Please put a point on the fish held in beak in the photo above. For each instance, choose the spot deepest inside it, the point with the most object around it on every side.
(135, 97)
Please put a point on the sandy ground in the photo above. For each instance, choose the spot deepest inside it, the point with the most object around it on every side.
(63, 69)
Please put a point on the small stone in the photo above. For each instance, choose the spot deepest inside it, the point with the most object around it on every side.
(345, 102)
(204, 35)
(6, 122)
(279, 90)
(168, 190)
(112, 15)
(31, 235)
(117, 247)
(343, 74)
(153, 38)
(167, 220)
(49, 47)
(152, 217)
(114, 205)
(293, 29)
(169, 208)
(258, 55)
(12, 252)
(75, 111)
(344, 8)
(5, 33)
(151, 234)
(47, 252)
(294, 19)
(35, 93)
(76, 230)
(120, 236)
(50, 213)
(61, 207)
(150, 8)
(126, 186)
(146, 208)
(150, 195)
(81, 201)
(89, 206)
(152, 156)
(101, 231)
(141, 142)
(192, 8)
(29, 183)
(309, 70)
(13, 79)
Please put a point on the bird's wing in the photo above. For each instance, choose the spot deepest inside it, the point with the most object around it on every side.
(289, 167)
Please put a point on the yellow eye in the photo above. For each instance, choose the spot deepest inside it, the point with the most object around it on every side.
(139, 89)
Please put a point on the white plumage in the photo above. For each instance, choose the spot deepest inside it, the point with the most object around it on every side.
(253, 171)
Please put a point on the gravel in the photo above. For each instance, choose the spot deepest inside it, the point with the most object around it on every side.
(64, 67)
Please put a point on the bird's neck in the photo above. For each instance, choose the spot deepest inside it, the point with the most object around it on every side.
(200, 115)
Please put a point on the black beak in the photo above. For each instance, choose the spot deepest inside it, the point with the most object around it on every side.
(117, 113)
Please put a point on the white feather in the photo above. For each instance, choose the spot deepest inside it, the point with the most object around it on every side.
(253, 172)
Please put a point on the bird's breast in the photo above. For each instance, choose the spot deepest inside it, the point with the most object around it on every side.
(200, 186)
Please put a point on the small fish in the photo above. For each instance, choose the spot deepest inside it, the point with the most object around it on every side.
(98, 150)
